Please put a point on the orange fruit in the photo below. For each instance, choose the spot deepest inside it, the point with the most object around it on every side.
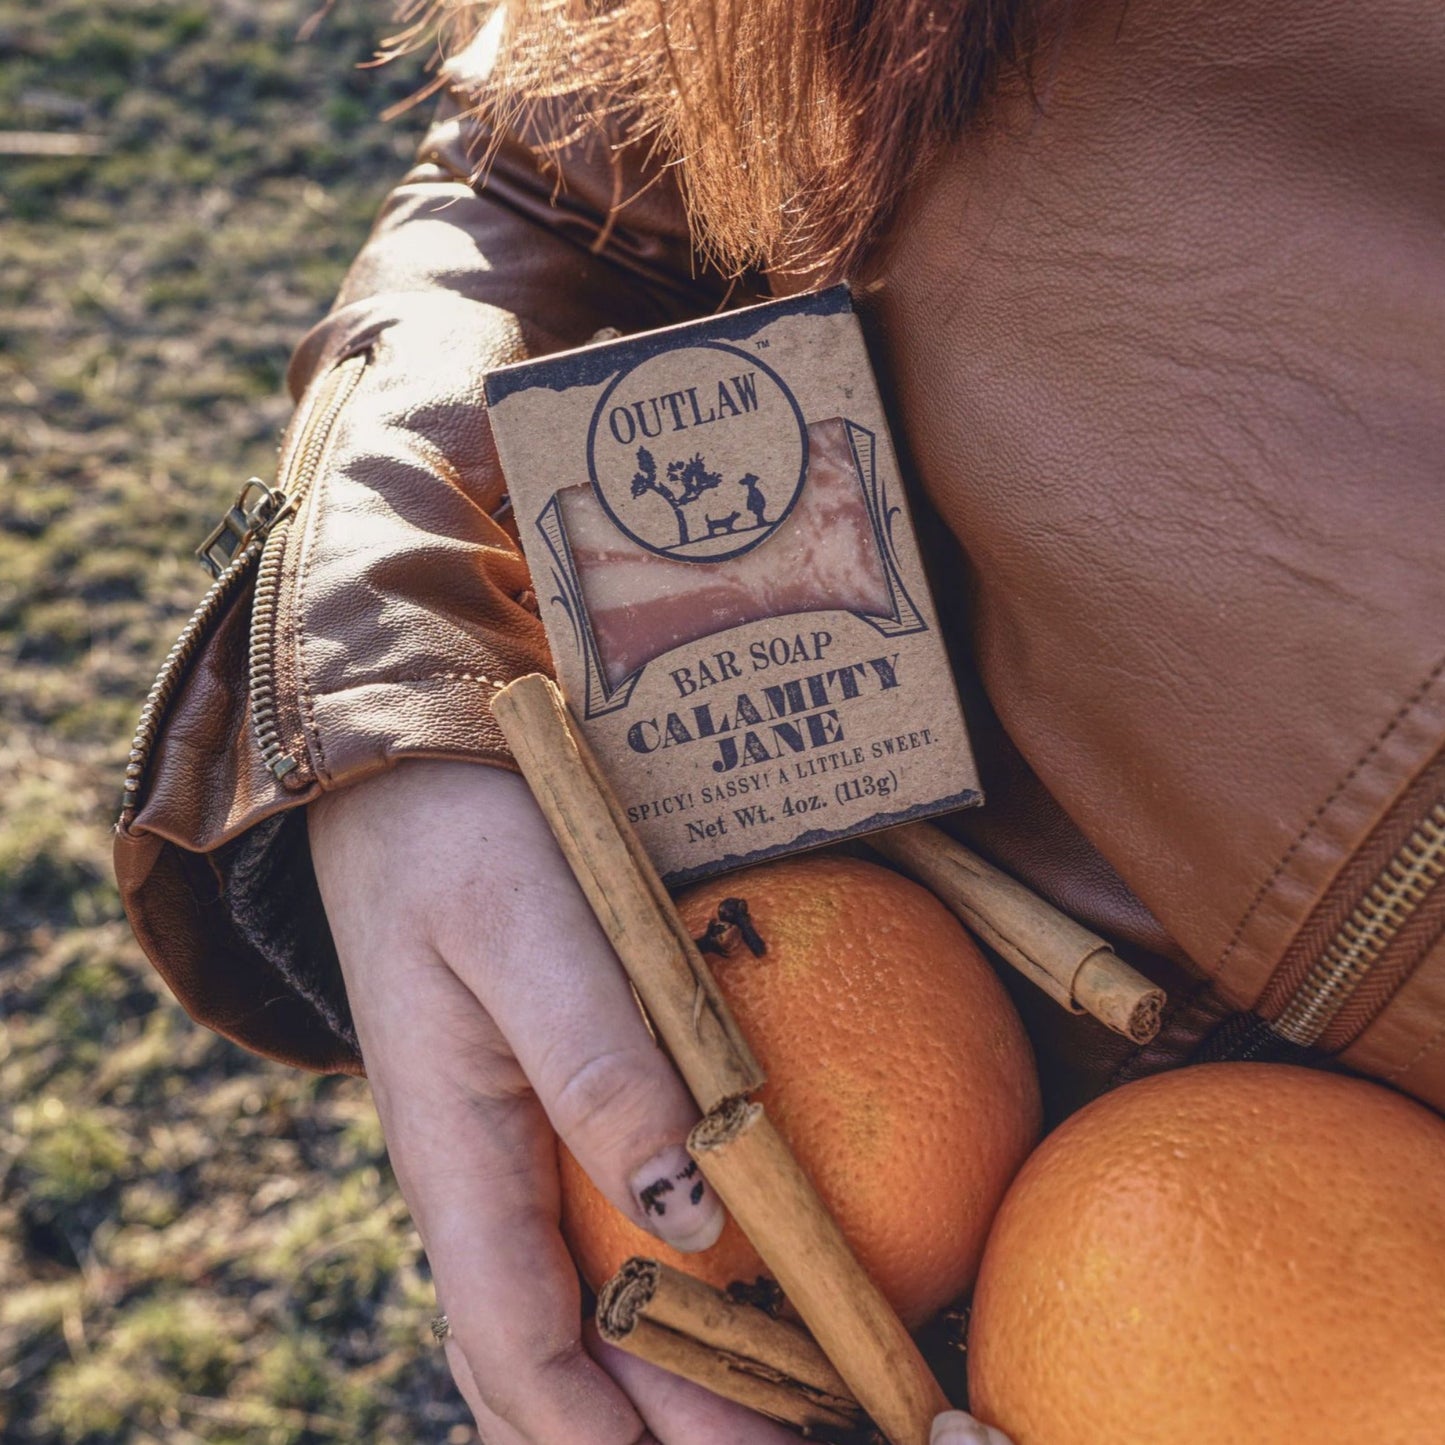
(1245, 1252)
(897, 1069)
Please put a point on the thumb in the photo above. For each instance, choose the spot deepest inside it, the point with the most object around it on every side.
(955, 1427)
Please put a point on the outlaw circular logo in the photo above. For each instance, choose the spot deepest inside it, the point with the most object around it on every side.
(698, 453)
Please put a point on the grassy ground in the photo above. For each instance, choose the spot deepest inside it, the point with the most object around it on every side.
(193, 1245)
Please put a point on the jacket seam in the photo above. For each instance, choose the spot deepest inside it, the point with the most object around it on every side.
(450, 677)
(1405, 709)
(682, 288)
(492, 682)
(1418, 1057)
(436, 677)
(682, 284)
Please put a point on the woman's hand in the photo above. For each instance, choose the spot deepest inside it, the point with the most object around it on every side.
(491, 1010)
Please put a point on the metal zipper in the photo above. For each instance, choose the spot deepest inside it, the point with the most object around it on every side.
(163, 689)
(227, 553)
(1358, 947)
(306, 462)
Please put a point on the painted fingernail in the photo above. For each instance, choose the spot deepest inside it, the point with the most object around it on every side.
(675, 1201)
(956, 1428)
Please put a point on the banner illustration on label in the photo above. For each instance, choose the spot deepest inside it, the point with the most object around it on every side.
(834, 550)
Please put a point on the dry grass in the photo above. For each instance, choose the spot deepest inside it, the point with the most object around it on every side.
(194, 1245)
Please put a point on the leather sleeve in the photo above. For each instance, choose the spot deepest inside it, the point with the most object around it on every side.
(392, 601)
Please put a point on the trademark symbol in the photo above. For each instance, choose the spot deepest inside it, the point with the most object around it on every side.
(762, 343)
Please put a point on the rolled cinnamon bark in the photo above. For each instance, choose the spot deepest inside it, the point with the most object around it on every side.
(776, 1206)
(1073, 966)
(735, 1350)
(766, 1191)
(674, 984)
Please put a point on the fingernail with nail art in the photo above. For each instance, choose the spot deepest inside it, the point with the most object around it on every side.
(675, 1201)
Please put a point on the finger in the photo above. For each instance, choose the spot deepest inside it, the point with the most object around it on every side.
(491, 1429)
(477, 1164)
(955, 1427)
(679, 1412)
(543, 969)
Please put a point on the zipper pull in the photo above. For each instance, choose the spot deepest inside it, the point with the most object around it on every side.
(255, 511)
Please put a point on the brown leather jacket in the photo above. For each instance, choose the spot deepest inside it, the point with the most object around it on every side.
(1165, 356)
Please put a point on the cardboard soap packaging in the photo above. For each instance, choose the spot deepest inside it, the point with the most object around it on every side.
(732, 590)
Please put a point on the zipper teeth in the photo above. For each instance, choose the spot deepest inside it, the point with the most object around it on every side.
(266, 604)
(317, 432)
(261, 682)
(1400, 889)
(162, 690)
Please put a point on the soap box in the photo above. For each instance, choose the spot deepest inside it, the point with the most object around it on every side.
(724, 562)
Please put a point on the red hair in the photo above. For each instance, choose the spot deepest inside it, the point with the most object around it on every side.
(799, 123)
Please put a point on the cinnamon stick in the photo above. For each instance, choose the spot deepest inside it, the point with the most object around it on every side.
(795, 1235)
(765, 1190)
(673, 982)
(1073, 966)
(735, 1350)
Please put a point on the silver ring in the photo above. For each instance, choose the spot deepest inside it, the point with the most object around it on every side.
(441, 1327)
